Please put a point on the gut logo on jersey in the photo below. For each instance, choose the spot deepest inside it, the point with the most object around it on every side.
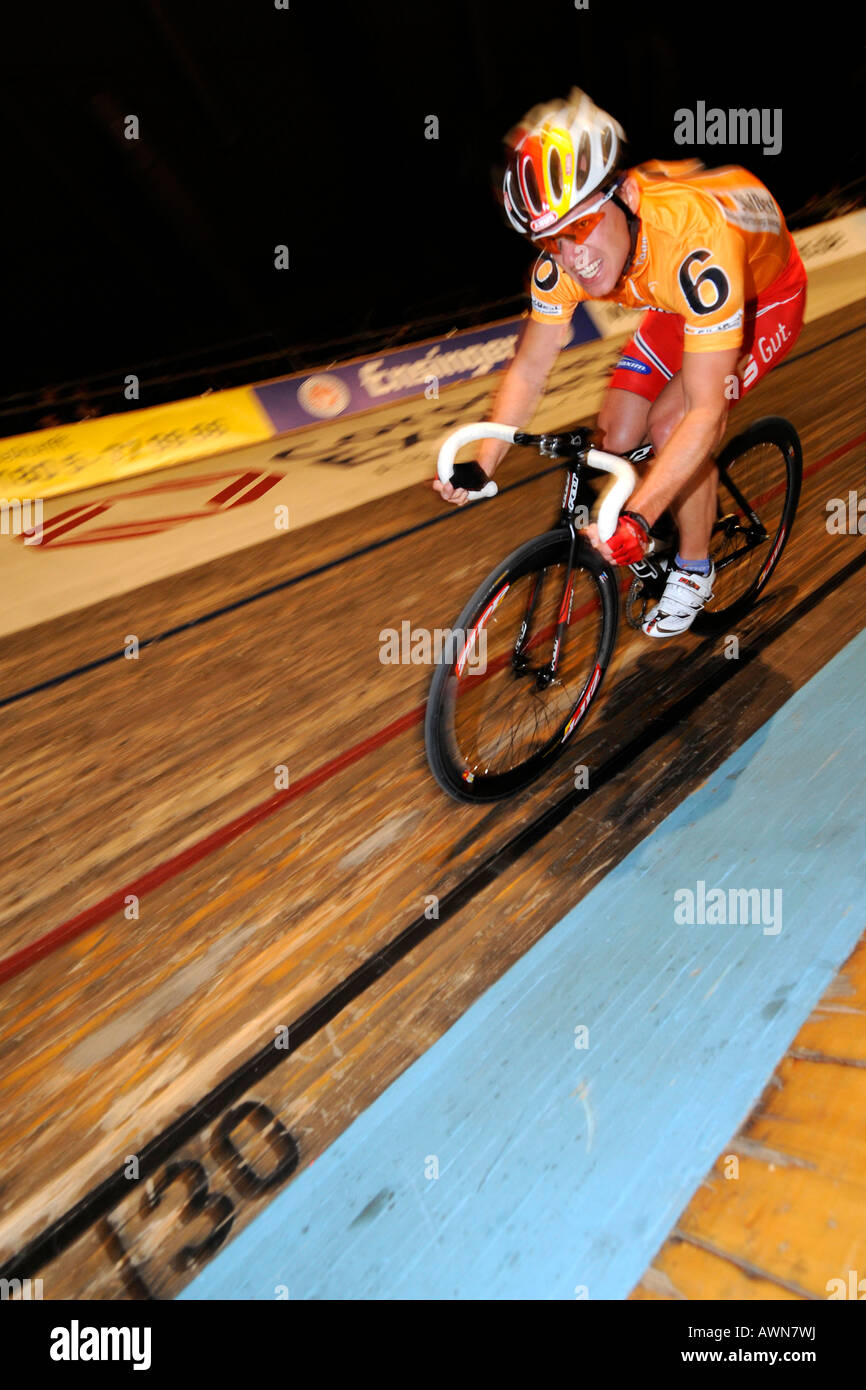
(767, 348)
(631, 364)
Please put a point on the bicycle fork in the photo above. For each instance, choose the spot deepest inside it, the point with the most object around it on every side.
(546, 674)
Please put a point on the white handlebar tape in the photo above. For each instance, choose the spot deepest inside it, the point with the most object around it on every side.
(468, 434)
(617, 492)
(613, 499)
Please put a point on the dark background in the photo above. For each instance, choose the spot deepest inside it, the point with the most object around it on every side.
(306, 127)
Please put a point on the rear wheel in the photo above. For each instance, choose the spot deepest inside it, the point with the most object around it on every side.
(760, 472)
(498, 714)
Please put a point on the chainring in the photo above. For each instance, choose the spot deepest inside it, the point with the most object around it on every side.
(642, 595)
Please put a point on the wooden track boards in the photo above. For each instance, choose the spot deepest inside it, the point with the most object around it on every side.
(122, 1031)
(785, 1218)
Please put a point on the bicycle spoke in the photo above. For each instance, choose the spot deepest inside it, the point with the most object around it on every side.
(752, 493)
(501, 716)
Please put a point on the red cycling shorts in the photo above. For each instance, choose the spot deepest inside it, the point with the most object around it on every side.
(772, 325)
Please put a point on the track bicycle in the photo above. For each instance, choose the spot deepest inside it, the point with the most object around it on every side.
(545, 620)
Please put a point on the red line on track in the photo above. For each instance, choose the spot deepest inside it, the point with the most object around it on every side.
(834, 455)
(19, 961)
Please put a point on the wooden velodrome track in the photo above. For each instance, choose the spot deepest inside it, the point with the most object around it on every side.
(170, 907)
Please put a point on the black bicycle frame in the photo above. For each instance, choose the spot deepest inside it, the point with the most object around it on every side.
(571, 448)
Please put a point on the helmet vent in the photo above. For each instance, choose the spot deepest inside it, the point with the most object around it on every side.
(584, 155)
(555, 170)
(530, 183)
(560, 155)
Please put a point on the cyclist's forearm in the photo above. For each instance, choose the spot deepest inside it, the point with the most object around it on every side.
(515, 404)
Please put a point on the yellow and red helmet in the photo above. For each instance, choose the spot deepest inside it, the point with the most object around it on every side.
(558, 156)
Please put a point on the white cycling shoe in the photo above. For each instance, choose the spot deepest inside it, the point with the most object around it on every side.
(684, 596)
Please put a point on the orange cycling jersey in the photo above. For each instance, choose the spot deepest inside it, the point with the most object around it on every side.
(710, 241)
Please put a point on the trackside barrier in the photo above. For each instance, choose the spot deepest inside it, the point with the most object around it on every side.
(90, 453)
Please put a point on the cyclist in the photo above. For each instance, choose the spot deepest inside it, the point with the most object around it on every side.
(707, 253)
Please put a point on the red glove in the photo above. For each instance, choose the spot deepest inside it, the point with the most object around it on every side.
(630, 540)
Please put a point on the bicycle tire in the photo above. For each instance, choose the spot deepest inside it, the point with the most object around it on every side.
(771, 430)
(449, 767)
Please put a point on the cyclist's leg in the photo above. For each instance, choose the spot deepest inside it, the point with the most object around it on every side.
(638, 378)
(694, 510)
(623, 420)
(657, 351)
(771, 329)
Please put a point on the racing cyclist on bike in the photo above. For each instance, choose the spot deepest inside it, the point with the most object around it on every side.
(707, 253)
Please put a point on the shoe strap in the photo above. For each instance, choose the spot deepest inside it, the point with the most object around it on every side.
(682, 596)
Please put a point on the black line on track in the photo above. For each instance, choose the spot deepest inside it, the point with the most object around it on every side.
(328, 565)
(63, 1232)
(262, 593)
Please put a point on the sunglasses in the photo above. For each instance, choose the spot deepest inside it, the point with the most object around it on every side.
(575, 231)
(579, 229)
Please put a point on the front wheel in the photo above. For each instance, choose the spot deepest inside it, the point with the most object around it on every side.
(507, 697)
(760, 472)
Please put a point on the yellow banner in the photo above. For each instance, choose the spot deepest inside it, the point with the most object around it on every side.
(91, 453)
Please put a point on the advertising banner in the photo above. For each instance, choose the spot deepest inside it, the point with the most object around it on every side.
(421, 370)
(91, 453)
